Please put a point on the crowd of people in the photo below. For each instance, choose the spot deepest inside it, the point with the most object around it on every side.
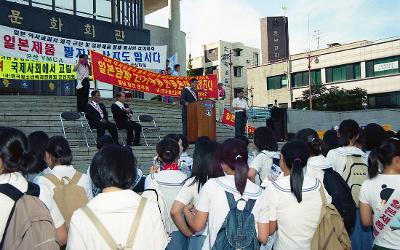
(230, 195)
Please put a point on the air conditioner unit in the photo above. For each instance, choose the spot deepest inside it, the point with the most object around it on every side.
(247, 61)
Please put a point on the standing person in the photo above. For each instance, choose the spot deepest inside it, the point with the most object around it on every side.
(374, 136)
(97, 116)
(203, 169)
(116, 208)
(294, 200)
(219, 197)
(220, 101)
(329, 141)
(177, 70)
(266, 164)
(378, 193)
(240, 107)
(123, 117)
(188, 95)
(344, 158)
(82, 78)
(37, 142)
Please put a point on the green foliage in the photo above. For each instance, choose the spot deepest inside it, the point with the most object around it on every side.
(334, 98)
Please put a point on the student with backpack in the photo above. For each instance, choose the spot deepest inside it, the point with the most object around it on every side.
(266, 164)
(233, 206)
(117, 218)
(320, 168)
(203, 169)
(163, 186)
(69, 188)
(295, 200)
(25, 220)
(351, 163)
(380, 195)
(185, 161)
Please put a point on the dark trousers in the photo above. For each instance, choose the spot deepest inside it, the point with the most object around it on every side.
(82, 95)
(109, 126)
(130, 127)
(184, 122)
(240, 123)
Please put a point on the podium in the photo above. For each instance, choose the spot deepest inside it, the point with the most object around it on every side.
(201, 120)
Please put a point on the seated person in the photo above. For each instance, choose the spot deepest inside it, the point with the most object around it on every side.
(97, 116)
(123, 116)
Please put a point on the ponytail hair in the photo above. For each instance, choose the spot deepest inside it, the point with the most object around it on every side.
(14, 152)
(295, 155)
(168, 150)
(233, 153)
(311, 138)
(382, 156)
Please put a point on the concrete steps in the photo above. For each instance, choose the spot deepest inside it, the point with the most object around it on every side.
(33, 113)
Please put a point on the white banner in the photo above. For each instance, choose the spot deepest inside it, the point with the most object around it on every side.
(39, 47)
(386, 66)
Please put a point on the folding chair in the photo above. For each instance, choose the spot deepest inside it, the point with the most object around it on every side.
(148, 126)
(119, 133)
(75, 122)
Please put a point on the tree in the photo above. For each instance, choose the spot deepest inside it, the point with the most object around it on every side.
(190, 66)
(334, 98)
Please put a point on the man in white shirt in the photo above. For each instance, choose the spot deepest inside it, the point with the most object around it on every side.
(82, 78)
(177, 70)
(240, 107)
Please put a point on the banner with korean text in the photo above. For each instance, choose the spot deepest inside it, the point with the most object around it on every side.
(45, 48)
(109, 70)
(22, 69)
(228, 118)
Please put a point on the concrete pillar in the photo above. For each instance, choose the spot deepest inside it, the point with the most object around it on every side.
(174, 23)
(363, 72)
(323, 76)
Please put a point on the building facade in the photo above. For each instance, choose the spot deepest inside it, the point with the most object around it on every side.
(91, 21)
(228, 61)
(373, 66)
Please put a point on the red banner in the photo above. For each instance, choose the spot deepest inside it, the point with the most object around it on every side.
(228, 118)
(109, 70)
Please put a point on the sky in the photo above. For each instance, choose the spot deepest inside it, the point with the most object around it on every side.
(342, 21)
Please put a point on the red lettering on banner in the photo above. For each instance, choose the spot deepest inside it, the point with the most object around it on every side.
(9, 42)
(37, 47)
(49, 49)
(23, 44)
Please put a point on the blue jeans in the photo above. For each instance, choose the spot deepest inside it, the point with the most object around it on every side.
(181, 242)
(361, 238)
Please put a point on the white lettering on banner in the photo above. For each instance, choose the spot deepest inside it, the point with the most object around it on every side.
(386, 66)
(39, 47)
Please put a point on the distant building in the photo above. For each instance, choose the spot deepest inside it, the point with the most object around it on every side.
(373, 66)
(216, 61)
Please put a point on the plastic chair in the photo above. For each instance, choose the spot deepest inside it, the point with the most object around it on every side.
(148, 126)
(75, 122)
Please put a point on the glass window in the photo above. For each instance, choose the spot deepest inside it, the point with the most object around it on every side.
(103, 10)
(44, 4)
(382, 67)
(343, 72)
(84, 8)
(237, 71)
(65, 6)
(276, 82)
(300, 79)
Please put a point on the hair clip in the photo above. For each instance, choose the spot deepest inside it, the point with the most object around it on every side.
(395, 138)
(297, 159)
(238, 157)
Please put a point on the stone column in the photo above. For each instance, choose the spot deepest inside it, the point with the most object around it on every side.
(174, 23)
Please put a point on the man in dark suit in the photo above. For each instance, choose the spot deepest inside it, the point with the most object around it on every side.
(123, 118)
(97, 116)
(188, 95)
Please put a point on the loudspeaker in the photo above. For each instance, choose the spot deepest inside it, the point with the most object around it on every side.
(278, 123)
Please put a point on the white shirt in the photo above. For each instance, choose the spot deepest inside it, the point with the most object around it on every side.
(116, 211)
(376, 192)
(240, 103)
(65, 171)
(213, 200)
(82, 72)
(185, 163)
(316, 165)
(262, 163)
(297, 222)
(6, 203)
(338, 157)
(175, 73)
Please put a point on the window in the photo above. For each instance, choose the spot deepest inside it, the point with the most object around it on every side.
(300, 79)
(65, 6)
(84, 8)
(236, 52)
(237, 71)
(343, 72)
(384, 100)
(382, 67)
(255, 59)
(276, 82)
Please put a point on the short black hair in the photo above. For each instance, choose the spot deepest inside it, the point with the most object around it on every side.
(240, 91)
(82, 55)
(193, 80)
(168, 150)
(58, 148)
(176, 66)
(103, 141)
(94, 92)
(118, 95)
(177, 137)
(113, 166)
(264, 139)
(37, 142)
(243, 138)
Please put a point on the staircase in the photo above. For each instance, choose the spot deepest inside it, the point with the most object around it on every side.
(33, 113)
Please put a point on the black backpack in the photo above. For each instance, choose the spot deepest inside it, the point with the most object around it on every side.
(342, 198)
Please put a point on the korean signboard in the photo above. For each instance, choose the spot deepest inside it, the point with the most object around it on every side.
(39, 47)
(22, 69)
(111, 71)
(278, 38)
(228, 118)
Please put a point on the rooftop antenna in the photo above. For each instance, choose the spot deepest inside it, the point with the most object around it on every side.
(284, 8)
(317, 36)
